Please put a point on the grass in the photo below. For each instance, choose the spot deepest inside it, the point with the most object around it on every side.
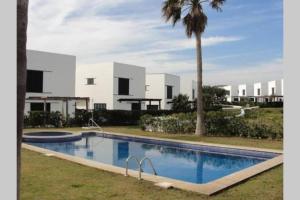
(51, 178)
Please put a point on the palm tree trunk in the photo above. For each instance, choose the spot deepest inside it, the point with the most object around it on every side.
(22, 17)
(200, 130)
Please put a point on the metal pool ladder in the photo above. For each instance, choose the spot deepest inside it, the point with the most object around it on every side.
(140, 165)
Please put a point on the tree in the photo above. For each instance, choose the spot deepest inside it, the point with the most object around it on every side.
(194, 21)
(181, 103)
(22, 18)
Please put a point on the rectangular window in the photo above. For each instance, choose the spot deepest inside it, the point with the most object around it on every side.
(147, 87)
(244, 92)
(273, 91)
(258, 92)
(90, 81)
(40, 107)
(34, 81)
(99, 106)
(123, 86)
(169, 92)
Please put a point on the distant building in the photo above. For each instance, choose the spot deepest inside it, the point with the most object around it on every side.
(271, 91)
(161, 86)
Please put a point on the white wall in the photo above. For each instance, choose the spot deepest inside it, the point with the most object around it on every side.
(58, 77)
(256, 87)
(271, 84)
(187, 86)
(102, 90)
(137, 79)
(157, 88)
(241, 88)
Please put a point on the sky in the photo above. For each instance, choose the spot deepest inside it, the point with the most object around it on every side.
(241, 44)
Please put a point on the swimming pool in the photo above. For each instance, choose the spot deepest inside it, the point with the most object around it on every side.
(197, 164)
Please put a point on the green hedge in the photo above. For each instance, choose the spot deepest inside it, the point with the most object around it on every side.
(217, 124)
(38, 118)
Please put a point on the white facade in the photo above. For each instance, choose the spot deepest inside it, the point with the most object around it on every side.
(242, 90)
(157, 86)
(50, 75)
(106, 79)
(188, 87)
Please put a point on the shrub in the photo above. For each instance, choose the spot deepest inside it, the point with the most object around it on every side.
(217, 124)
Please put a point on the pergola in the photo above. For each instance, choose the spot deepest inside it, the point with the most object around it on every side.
(140, 100)
(64, 99)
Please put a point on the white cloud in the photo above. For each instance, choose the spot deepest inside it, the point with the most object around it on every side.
(261, 72)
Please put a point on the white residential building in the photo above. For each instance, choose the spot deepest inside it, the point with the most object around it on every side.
(115, 86)
(50, 82)
(242, 90)
(228, 89)
(162, 86)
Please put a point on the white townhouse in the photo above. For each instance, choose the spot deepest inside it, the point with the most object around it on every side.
(188, 87)
(161, 86)
(51, 83)
(228, 89)
(275, 90)
(113, 86)
(242, 90)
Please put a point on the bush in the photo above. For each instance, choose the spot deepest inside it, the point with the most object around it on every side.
(217, 124)
(37, 119)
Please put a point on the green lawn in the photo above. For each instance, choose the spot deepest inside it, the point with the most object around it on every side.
(51, 178)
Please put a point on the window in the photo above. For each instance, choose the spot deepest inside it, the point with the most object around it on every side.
(34, 81)
(227, 92)
(99, 106)
(123, 86)
(147, 87)
(90, 81)
(235, 99)
(244, 92)
(169, 92)
(193, 94)
(273, 90)
(39, 107)
(258, 92)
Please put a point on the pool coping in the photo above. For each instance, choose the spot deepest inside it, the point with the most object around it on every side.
(209, 188)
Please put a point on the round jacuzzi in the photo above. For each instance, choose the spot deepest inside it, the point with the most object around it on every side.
(50, 136)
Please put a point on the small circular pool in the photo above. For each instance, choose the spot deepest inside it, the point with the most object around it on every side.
(50, 136)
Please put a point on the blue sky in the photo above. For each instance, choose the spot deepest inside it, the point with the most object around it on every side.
(244, 43)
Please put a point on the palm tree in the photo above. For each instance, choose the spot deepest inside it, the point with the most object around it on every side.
(194, 22)
(22, 16)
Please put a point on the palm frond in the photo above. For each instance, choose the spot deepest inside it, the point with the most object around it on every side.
(171, 10)
(217, 4)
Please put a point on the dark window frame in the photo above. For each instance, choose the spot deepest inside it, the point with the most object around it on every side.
(35, 81)
(39, 106)
(169, 92)
(90, 81)
(100, 106)
(258, 91)
(123, 86)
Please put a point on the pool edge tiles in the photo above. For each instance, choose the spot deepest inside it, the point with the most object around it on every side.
(207, 188)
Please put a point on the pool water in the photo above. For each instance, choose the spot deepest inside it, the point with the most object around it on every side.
(184, 164)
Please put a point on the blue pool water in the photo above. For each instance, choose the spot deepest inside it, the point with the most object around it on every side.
(186, 164)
